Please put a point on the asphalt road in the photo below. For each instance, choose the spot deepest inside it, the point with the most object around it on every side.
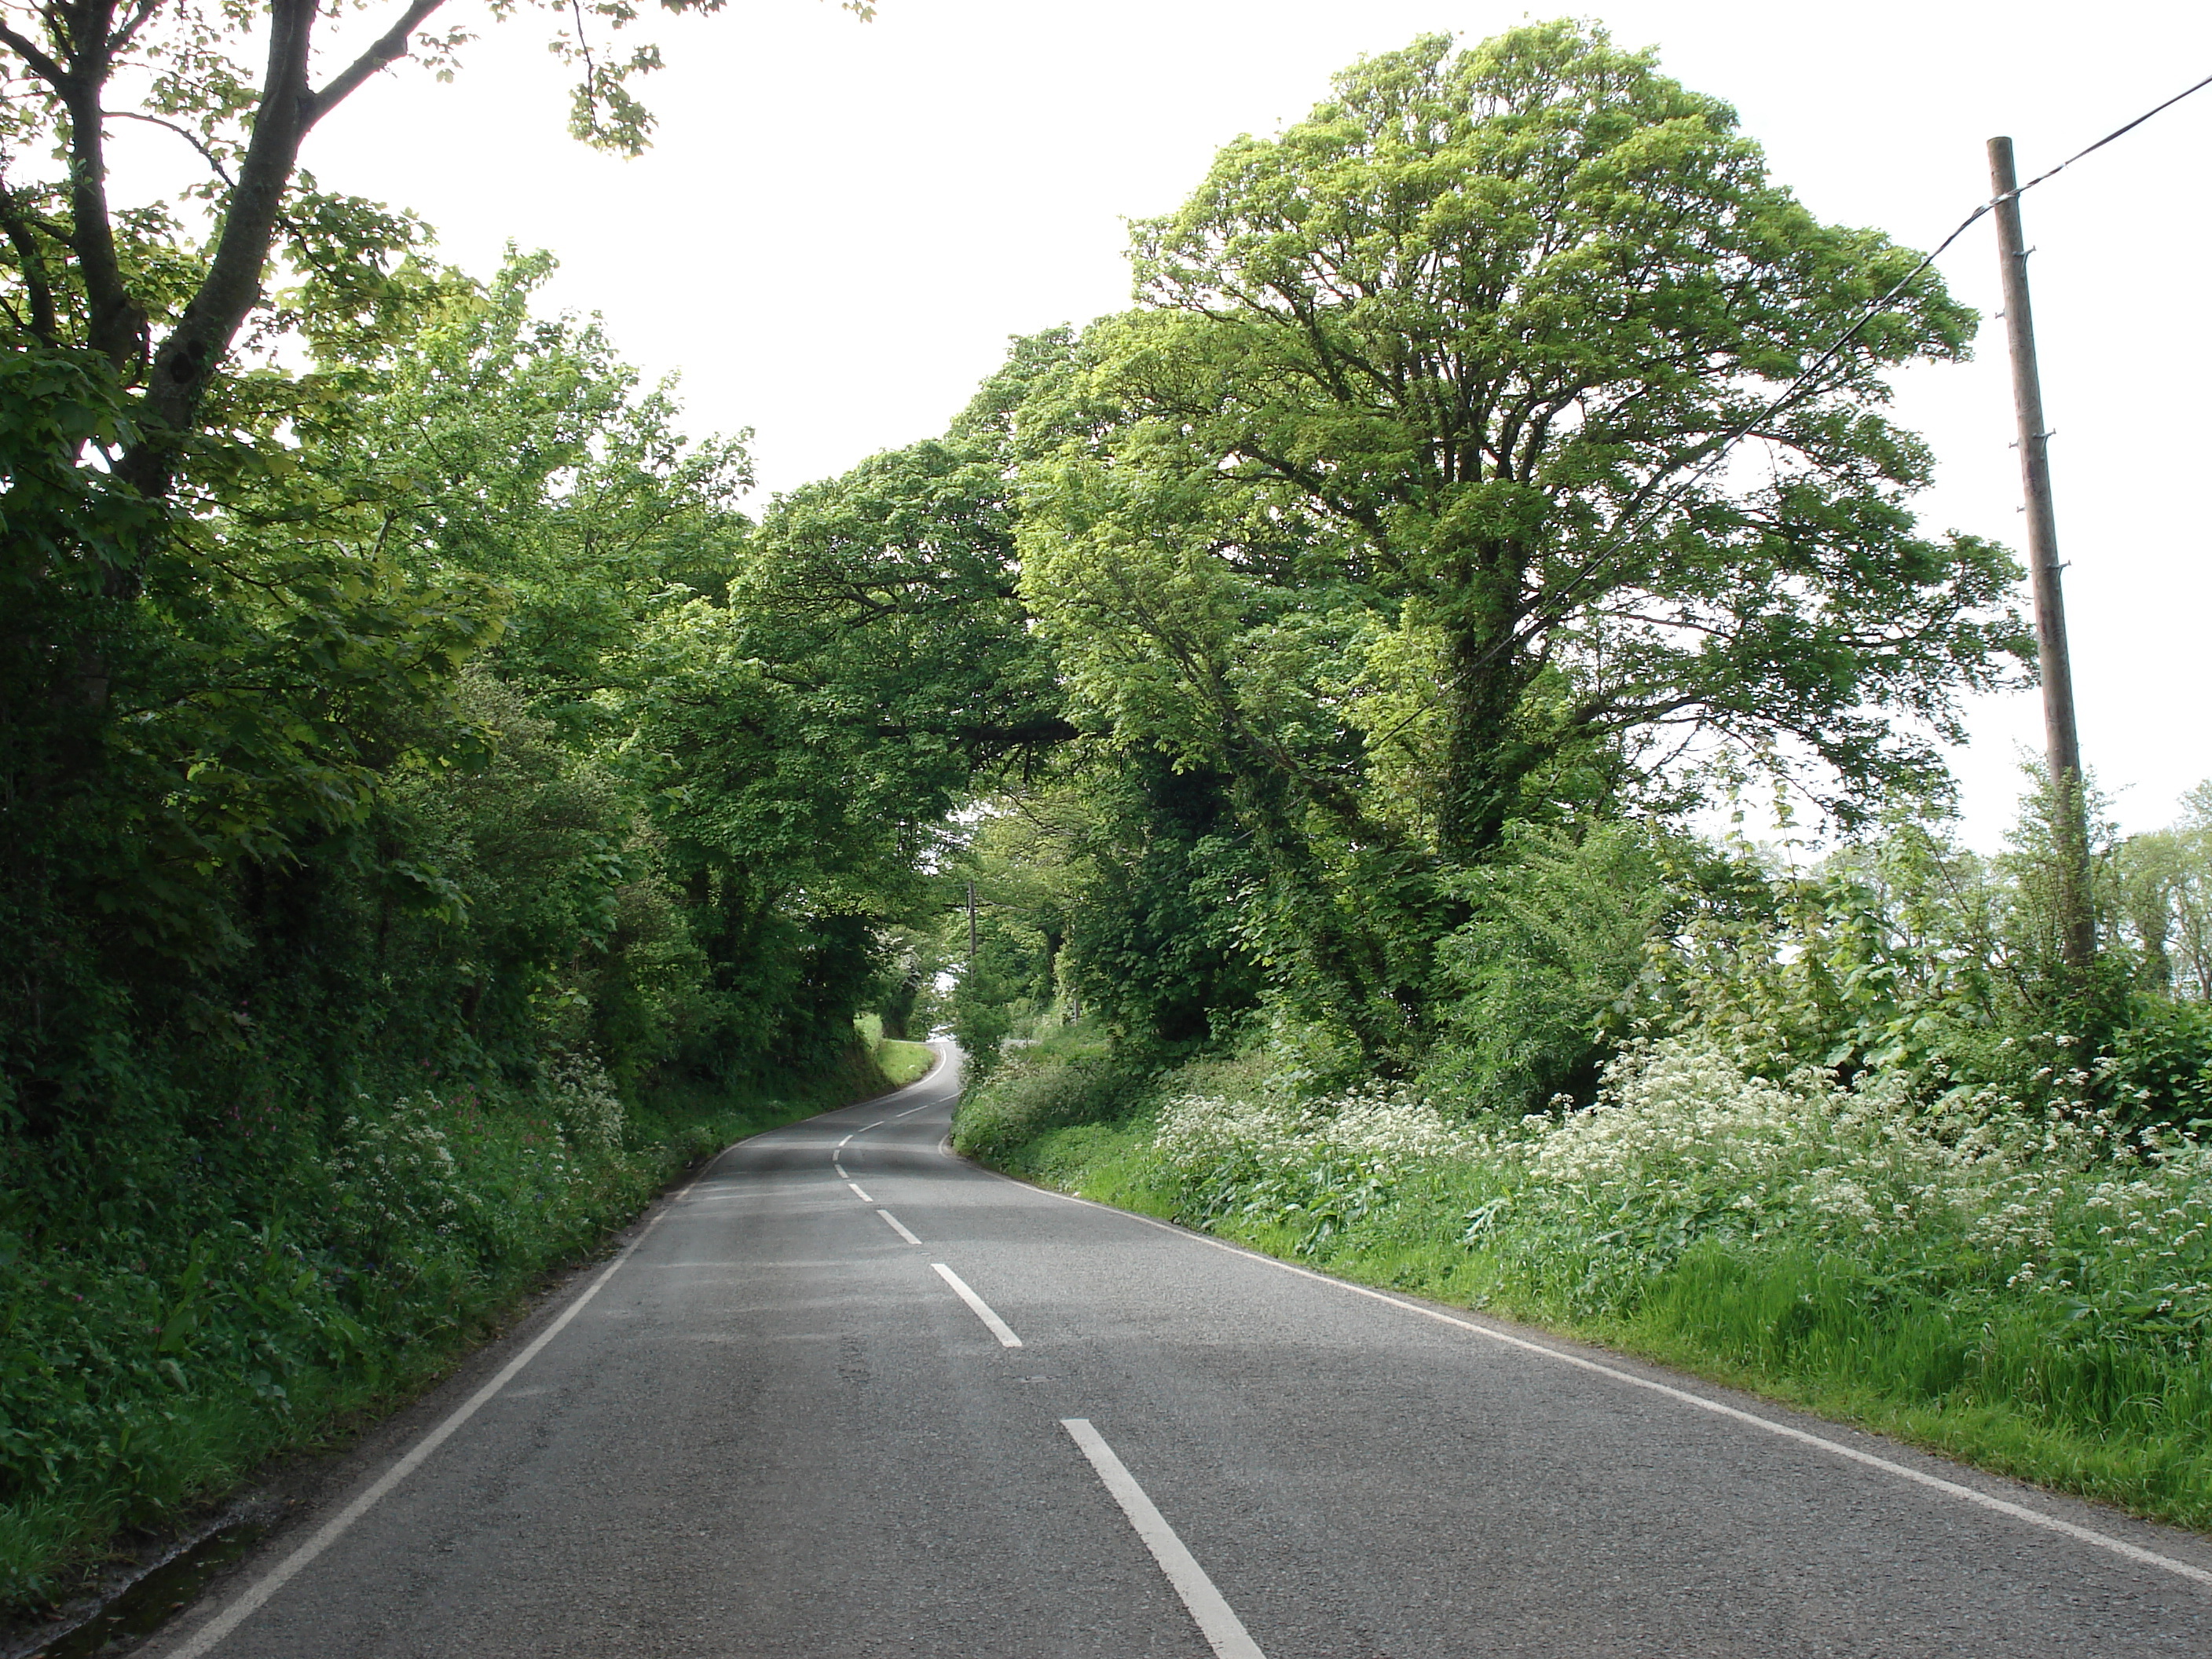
(782, 1424)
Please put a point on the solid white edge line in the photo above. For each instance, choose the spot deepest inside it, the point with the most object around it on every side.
(858, 1193)
(205, 1638)
(981, 1308)
(1223, 1632)
(2088, 1536)
(898, 1226)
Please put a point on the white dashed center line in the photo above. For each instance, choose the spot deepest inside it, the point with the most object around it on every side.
(857, 1192)
(998, 1327)
(897, 1227)
(1224, 1630)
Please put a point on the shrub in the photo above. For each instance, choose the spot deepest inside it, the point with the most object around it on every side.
(1047, 1090)
(1550, 967)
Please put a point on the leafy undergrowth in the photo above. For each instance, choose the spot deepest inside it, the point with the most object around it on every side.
(2029, 1294)
(211, 1301)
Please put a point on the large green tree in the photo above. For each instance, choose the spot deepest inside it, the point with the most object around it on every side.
(520, 448)
(216, 624)
(888, 598)
(1424, 437)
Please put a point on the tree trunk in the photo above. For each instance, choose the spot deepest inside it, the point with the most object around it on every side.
(1489, 753)
(185, 367)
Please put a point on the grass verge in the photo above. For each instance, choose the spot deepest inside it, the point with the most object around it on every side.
(901, 1061)
(904, 1062)
(2096, 1389)
(150, 1371)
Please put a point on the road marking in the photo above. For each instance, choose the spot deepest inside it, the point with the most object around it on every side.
(2118, 1546)
(840, 1147)
(911, 1110)
(857, 1192)
(1222, 1629)
(864, 1130)
(998, 1327)
(840, 1169)
(205, 1638)
(897, 1227)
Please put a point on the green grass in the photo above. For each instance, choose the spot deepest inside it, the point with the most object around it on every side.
(903, 1062)
(127, 1408)
(1925, 1348)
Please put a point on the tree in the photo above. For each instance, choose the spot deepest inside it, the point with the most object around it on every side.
(867, 667)
(2164, 880)
(889, 597)
(214, 635)
(109, 279)
(520, 448)
(1431, 398)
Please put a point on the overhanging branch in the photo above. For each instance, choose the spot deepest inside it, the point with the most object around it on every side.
(388, 48)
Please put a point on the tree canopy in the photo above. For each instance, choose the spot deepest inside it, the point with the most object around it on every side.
(127, 281)
(1437, 380)
(1501, 444)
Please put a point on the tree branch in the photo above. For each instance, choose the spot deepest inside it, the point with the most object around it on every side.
(185, 133)
(36, 288)
(41, 65)
(123, 36)
(38, 63)
(185, 365)
(389, 48)
(115, 327)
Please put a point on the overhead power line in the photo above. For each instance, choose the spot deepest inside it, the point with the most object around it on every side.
(1964, 224)
(1735, 434)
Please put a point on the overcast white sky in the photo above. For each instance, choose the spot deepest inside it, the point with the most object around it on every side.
(840, 222)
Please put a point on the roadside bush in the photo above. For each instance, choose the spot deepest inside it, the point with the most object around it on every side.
(1553, 965)
(2161, 1061)
(1684, 1146)
(1052, 1089)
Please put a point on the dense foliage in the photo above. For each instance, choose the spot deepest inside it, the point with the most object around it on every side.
(1492, 474)
(432, 807)
(436, 745)
(419, 833)
(1400, 500)
(451, 756)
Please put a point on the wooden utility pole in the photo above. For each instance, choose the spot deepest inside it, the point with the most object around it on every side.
(2062, 744)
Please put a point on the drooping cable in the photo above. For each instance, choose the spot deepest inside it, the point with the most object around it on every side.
(1735, 434)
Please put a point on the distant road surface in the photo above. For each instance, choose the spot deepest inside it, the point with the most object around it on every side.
(846, 1394)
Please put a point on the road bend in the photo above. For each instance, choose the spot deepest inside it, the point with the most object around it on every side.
(845, 1394)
